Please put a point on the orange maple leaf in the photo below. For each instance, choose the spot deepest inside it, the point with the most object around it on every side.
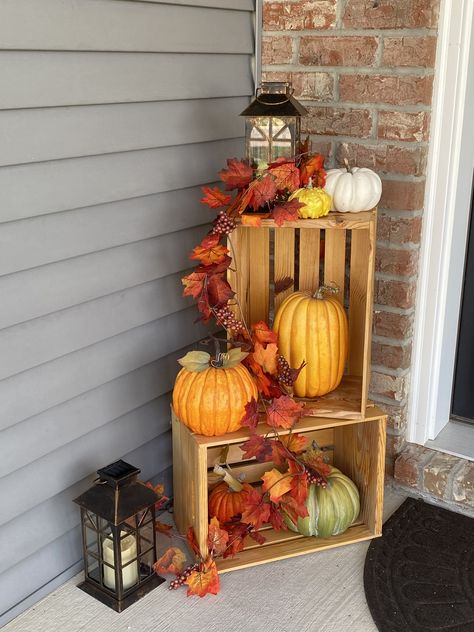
(294, 443)
(217, 538)
(204, 580)
(252, 220)
(266, 357)
(313, 167)
(256, 510)
(194, 284)
(284, 412)
(276, 483)
(210, 251)
(172, 561)
(215, 198)
(162, 527)
(286, 174)
(261, 191)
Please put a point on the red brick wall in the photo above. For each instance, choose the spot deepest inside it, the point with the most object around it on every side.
(364, 69)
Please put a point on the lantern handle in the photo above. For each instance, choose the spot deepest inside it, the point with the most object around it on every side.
(287, 94)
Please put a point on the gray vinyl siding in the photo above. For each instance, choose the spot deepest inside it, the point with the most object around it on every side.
(113, 113)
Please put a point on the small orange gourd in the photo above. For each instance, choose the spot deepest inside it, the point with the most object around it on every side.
(210, 396)
(228, 498)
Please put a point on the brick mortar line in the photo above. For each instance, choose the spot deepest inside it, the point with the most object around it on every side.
(346, 32)
(395, 212)
(368, 142)
(388, 276)
(393, 342)
(392, 177)
(394, 432)
(355, 105)
(387, 71)
(379, 368)
(449, 492)
(393, 310)
(408, 246)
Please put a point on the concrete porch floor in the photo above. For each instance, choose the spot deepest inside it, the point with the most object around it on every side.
(322, 592)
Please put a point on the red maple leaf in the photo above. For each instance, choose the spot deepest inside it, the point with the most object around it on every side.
(238, 174)
(215, 197)
(313, 167)
(237, 533)
(299, 484)
(276, 519)
(286, 174)
(191, 540)
(215, 268)
(293, 508)
(284, 412)
(261, 191)
(294, 373)
(219, 290)
(256, 510)
(257, 446)
(293, 442)
(261, 332)
(257, 535)
(250, 418)
(204, 580)
(287, 211)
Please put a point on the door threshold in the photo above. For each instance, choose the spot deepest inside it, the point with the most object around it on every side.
(456, 438)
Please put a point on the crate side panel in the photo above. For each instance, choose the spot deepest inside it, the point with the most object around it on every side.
(335, 260)
(259, 274)
(358, 299)
(184, 482)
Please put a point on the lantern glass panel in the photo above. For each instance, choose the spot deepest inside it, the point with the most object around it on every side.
(93, 567)
(270, 137)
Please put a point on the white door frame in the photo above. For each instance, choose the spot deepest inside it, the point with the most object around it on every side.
(445, 224)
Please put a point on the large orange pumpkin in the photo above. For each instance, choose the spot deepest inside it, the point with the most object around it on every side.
(211, 401)
(313, 329)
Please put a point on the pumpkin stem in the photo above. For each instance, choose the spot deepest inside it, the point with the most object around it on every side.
(218, 361)
(326, 289)
(310, 183)
(232, 482)
(346, 164)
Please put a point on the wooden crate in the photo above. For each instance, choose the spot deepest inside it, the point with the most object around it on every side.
(357, 448)
(270, 253)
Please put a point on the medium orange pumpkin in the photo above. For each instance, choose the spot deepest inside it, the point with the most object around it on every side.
(225, 502)
(211, 401)
(313, 329)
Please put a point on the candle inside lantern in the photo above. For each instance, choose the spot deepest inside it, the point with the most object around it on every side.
(128, 547)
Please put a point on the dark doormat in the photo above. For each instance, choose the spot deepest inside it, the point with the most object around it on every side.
(419, 576)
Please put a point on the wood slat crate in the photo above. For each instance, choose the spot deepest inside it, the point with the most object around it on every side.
(356, 447)
(338, 248)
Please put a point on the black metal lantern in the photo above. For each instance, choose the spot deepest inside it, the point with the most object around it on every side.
(273, 123)
(119, 537)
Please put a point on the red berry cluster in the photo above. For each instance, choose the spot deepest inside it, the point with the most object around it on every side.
(180, 579)
(284, 371)
(223, 225)
(227, 319)
(314, 478)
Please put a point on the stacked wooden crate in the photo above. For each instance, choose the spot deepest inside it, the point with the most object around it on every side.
(337, 249)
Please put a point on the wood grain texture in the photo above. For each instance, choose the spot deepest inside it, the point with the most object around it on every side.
(284, 261)
(94, 25)
(310, 243)
(335, 261)
(359, 298)
(346, 221)
(259, 274)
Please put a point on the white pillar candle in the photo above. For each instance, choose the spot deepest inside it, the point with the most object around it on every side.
(128, 547)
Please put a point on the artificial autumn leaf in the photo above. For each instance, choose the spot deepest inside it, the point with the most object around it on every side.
(286, 174)
(263, 382)
(314, 459)
(218, 290)
(256, 510)
(294, 373)
(276, 483)
(287, 211)
(312, 167)
(261, 332)
(257, 446)
(250, 418)
(257, 535)
(237, 533)
(276, 519)
(299, 484)
(294, 509)
(215, 198)
(283, 284)
(261, 191)
(266, 357)
(233, 357)
(215, 268)
(191, 540)
(238, 174)
(194, 284)
(162, 527)
(195, 361)
(247, 219)
(304, 146)
(204, 580)
(210, 251)
(172, 561)
(284, 412)
(293, 443)
(217, 538)
(160, 490)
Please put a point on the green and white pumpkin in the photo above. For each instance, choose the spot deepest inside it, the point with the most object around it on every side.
(331, 510)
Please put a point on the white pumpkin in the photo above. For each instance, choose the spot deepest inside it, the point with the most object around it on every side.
(353, 190)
